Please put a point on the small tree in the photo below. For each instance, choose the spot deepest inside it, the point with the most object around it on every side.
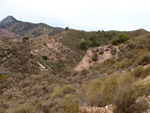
(84, 44)
(67, 28)
(123, 38)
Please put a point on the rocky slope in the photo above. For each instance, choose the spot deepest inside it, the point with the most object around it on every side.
(53, 74)
(110, 85)
(35, 55)
(97, 55)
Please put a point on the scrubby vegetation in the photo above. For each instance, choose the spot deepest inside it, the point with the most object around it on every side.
(122, 87)
(61, 91)
(122, 82)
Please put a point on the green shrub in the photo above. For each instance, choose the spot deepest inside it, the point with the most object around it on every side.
(84, 45)
(67, 28)
(25, 38)
(45, 57)
(122, 38)
(94, 44)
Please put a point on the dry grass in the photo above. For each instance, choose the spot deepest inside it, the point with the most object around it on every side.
(93, 93)
(21, 109)
(60, 91)
(118, 89)
(84, 71)
(141, 72)
(3, 77)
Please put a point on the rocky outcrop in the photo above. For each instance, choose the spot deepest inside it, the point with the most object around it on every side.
(92, 109)
(97, 55)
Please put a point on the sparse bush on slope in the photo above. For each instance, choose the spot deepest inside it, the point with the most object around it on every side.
(84, 45)
(45, 57)
(122, 38)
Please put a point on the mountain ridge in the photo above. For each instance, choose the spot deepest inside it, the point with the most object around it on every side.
(9, 19)
(25, 29)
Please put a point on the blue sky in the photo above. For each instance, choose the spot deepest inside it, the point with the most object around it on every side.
(89, 15)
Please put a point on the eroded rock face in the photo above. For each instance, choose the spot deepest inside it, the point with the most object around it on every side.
(97, 55)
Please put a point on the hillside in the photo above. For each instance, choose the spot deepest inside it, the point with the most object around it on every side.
(118, 83)
(72, 38)
(54, 53)
(34, 55)
(73, 71)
